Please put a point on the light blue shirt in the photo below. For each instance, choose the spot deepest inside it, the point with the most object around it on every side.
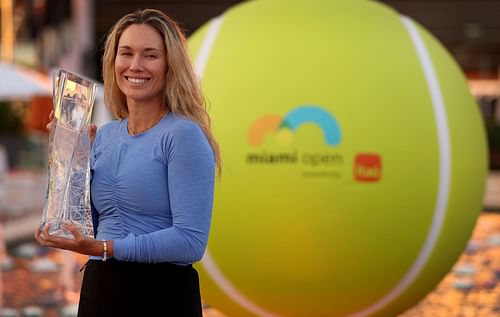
(152, 193)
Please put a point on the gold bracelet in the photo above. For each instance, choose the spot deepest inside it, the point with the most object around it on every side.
(105, 255)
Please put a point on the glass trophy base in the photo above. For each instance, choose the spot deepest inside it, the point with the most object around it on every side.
(55, 228)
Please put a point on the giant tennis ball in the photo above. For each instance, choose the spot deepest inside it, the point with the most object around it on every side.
(354, 159)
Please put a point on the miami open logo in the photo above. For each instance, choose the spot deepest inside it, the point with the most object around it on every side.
(324, 162)
(285, 127)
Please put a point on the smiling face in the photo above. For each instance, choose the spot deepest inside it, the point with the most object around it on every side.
(140, 64)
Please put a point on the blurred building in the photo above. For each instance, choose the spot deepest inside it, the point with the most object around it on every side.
(71, 32)
(54, 33)
(470, 29)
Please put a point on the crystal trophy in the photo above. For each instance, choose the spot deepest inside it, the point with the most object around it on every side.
(68, 185)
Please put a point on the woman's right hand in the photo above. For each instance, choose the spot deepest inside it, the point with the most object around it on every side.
(50, 126)
(51, 123)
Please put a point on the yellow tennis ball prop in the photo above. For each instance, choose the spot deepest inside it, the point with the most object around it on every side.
(354, 159)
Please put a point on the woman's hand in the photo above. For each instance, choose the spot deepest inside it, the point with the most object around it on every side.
(92, 132)
(92, 127)
(51, 123)
(80, 244)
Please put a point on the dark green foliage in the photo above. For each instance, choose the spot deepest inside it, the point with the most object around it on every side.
(11, 118)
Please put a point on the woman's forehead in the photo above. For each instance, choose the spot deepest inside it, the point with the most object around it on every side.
(141, 36)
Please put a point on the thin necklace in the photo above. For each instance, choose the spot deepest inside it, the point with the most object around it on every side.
(136, 132)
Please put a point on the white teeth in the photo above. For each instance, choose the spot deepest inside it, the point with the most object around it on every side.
(137, 80)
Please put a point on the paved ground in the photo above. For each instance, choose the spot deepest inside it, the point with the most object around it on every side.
(44, 282)
(472, 288)
(49, 280)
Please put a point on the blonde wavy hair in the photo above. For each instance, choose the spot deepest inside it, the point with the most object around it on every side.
(182, 93)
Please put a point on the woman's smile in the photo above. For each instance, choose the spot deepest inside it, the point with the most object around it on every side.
(136, 80)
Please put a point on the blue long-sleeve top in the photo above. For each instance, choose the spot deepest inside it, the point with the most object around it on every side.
(152, 193)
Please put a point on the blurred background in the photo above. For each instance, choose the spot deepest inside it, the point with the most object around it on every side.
(39, 36)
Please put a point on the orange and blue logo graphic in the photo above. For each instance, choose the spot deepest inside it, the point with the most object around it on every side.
(284, 127)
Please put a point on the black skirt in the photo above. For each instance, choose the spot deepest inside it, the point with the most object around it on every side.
(116, 288)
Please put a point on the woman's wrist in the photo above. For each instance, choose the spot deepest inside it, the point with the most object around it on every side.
(97, 248)
(103, 248)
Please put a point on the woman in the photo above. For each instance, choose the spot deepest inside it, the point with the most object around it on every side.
(152, 178)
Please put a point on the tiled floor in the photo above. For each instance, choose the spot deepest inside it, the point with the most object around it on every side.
(472, 288)
(49, 280)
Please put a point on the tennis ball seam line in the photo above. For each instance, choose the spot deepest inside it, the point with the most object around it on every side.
(207, 262)
(207, 46)
(443, 136)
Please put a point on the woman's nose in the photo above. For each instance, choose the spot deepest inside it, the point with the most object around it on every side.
(136, 63)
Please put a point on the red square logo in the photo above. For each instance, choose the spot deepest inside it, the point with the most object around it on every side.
(367, 167)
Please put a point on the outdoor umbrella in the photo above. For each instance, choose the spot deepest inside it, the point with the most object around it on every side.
(17, 82)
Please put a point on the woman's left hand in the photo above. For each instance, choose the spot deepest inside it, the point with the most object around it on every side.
(81, 243)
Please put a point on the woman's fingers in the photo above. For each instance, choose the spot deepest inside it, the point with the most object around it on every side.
(79, 243)
(38, 238)
(73, 230)
(43, 237)
(50, 124)
(92, 131)
(45, 232)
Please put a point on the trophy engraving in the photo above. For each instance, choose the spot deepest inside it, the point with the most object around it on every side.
(68, 176)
